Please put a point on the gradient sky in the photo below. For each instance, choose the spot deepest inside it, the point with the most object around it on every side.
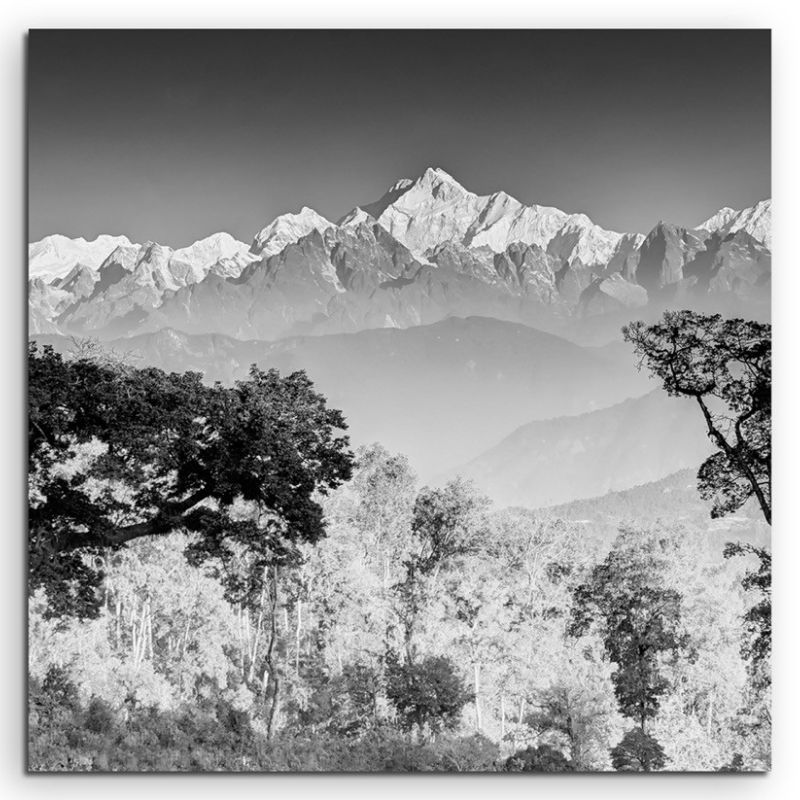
(173, 135)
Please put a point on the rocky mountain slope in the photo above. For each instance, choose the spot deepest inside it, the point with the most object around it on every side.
(55, 256)
(436, 209)
(755, 221)
(427, 250)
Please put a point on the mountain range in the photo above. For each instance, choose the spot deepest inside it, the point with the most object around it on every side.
(429, 249)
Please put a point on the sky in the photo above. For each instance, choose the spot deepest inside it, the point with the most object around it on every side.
(173, 135)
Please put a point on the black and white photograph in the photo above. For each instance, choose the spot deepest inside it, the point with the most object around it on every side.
(399, 401)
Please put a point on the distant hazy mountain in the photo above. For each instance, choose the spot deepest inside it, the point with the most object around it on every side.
(567, 458)
(427, 250)
(673, 500)
(440, 393)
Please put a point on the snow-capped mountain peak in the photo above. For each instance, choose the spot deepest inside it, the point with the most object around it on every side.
(436, 209)
(756, 221)
(205, 253)
(288, 229)
(718, 220)
(427, 249)
(436, 175)
(218, 245)
(56, 255)
(356, 217)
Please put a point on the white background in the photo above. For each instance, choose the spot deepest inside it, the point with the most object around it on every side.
(784, 781)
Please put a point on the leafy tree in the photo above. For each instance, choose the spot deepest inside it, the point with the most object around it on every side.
(99, 716)
(118, 453)
(576, 712)
(758, 619)
(638, 617)
(444, 524)
(56, 690)
(637, 752)
(343, 704)
(428, 694)
(447, 524)
(478, 614)
(384, 486)
(696, 722)
(726, 366)
(360, 688)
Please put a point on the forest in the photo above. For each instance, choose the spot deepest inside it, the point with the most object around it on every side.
(217, 582)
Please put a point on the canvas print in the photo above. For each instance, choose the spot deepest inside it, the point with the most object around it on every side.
(399, 401)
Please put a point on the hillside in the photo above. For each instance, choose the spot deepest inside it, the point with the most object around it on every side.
(439, 393)
(554, 461)
(670, 501)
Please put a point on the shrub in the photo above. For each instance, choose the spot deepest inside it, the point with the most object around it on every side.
(538, 759)
(638, 752)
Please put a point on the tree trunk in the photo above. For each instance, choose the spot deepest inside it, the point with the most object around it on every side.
(272, 687)
(297, 634)
(732, 455)
(476, 674)
(149, 640)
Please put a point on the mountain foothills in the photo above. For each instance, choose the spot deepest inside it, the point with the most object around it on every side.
(427, 250)
(553, 461)
(439, 393)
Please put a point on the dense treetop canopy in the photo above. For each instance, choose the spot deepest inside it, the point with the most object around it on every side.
(726, 366)
(117, 453)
